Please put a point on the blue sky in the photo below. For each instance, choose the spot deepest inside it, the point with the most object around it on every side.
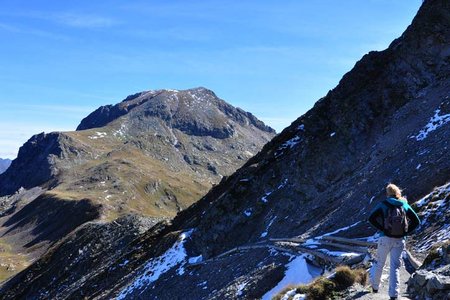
(60, 60)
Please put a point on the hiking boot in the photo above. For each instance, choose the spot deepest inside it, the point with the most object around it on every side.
(393, 298)
(374, 291)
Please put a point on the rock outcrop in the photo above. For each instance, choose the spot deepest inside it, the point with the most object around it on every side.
(432, 281)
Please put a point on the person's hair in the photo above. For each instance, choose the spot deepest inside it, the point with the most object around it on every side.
(393, 190)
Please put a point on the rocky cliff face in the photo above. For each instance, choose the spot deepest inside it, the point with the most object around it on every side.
(386, 121)
(155, 154)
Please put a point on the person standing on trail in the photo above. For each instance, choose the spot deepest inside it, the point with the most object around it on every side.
(395, 219)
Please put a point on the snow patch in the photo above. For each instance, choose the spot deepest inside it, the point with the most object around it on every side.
(264, 234)
(340, 229)
(291, 143)
(98, 135)
(264, 198)
(267, 194)
(157, 266)
(248, 212)
(434, 206)
(435, 122)
(195, 259)
(121, 131)
(314, 241)
(241, 288)
(297, 272)
(124, 263)
(338, 253)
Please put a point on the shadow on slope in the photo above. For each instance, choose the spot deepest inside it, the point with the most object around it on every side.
(48, 219)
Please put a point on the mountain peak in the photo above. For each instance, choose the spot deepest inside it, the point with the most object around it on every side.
(197, 111)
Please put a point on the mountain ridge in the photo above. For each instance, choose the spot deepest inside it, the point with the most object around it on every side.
(109, 113)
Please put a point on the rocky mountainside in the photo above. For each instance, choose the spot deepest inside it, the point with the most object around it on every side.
(140, 150)
(153, 154)
(4, 164)
(386, 121)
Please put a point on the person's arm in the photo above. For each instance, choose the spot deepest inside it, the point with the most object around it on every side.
(414, 220)
(376, 218)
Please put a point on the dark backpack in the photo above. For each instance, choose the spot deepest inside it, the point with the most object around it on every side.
(395, 221)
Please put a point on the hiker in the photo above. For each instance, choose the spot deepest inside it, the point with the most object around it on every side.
(395, 219)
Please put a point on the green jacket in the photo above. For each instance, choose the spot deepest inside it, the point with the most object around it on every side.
(376, 217)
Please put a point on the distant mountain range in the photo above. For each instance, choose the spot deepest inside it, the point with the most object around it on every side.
(4, 164)
(386, 121)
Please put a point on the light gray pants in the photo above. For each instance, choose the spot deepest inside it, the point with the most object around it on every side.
(387, 245)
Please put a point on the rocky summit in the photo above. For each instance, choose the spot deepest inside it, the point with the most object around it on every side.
(153, 154)
(278, 218)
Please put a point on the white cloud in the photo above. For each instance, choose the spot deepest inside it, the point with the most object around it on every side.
(33, 31)
(83, 20)
(71, 19)
(49, 108)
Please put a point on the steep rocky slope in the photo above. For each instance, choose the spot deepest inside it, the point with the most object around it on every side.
(386, 121)
(432, 280)
(154, 154)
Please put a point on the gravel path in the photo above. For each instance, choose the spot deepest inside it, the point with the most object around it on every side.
(365, 294)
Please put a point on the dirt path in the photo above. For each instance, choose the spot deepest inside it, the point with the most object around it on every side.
(365, 294)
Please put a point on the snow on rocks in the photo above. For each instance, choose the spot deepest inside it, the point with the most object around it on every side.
(314, 243)
(298, 271)
(433, 213)
(291, 143)
(121, 131)
(339, 253)
(435, 122)
(267, 194)
(241, 288)
(157, 266)
(339, 230)
(293, 295)
(264, 234)
(195, 259)
(98, 135)
(124, 263)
